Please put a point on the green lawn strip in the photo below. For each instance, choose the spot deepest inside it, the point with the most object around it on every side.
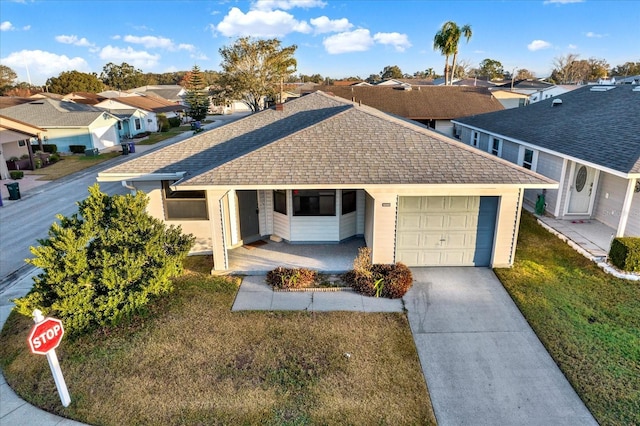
(69, 164)
(589, 321)
(190, 360)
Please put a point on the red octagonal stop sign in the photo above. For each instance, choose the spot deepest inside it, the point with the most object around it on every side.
(45, 336)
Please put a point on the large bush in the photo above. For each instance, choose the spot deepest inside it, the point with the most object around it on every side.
(285, 278)
(104, 263)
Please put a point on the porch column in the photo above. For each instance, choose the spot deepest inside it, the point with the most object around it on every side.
(626, 207)
(216, 221)
(384, 226)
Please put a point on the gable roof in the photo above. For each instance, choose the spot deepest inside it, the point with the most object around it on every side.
(600, 127)
(320, 139)
(146, 103)
(170, 92)
(50, 112)
(422, 102)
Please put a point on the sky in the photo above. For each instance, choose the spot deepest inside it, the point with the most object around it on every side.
(40, 39)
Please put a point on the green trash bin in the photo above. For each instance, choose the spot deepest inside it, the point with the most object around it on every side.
(14, 190)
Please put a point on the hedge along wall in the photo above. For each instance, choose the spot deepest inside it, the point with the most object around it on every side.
(625, 253)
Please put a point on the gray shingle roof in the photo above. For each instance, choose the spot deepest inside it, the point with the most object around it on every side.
(51, 112)
(601, 127)
(321, 139)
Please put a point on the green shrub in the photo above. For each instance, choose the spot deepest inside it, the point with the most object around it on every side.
(625, 253)
(14, 158)
(379, 280)
(46, 147)
(104, 263)
(24, 156)
(54, 158)
(16, 174)
(163, 123)
(77, 149)
(174, 121)
(285, 278)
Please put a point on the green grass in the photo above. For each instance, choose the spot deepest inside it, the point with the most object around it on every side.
(190, 360)
(70, 164)
(588, 320)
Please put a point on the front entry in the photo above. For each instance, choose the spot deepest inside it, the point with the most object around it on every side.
(248, 212)
(581, 190)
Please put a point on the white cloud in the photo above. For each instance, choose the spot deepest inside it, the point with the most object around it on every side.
(286, 4)
(26, 28)
(572, 47)
(150, 42)
(358, 40)
(6, 26)
(399, 41)
(562, 1)
(187, 47)
(326, 25)
(591, 34)
(260, 23)
(43, 65)
(73, 39)
(538, 45)
(140, 59)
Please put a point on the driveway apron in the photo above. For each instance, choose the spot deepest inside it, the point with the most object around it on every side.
(483, 363)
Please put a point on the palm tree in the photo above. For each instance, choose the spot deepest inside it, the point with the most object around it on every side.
(446, 41)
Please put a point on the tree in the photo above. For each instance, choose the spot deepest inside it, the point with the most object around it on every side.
(103, 263)
(565, 70)
(447, 40)
(197, 97)
(373, 79)
(7, 77)
(626, 69)
(122, 77)
(253, 70)
(391, 71)
(74, 81)
(428, 73)
(491, 69)
(525, 74)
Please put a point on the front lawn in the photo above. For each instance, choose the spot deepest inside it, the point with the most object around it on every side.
(588, 320)
(69, 164)
(190, 360)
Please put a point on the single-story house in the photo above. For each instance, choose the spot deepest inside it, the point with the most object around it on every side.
(587, 139)
(15, 142)
(173, 93)
(434, 106)
(324, 169)
(150, 106)
(68, 123)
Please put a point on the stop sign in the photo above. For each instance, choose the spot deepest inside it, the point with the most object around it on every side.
(45, 336)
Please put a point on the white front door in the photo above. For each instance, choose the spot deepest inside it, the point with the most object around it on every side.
(581, 190)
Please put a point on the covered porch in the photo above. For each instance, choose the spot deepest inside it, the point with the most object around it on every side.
(265, 255)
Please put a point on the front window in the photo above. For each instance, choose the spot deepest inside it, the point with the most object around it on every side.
(475, 139)
(348, 201)
(528, 158)
(280, 201)
(312, 202)
(496, 147)
(184, 204)
(138, 124)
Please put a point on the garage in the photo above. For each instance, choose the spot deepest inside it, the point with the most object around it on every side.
(446, 231)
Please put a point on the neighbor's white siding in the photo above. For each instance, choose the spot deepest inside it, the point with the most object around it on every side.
(360, 218)
(368, 219)
(510, 151)
(348, 225)
(315, 228)
(445, 127)
(265, 208)
(281, 226)
(607, 210)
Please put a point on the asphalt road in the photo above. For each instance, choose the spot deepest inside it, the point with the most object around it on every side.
(22, 223)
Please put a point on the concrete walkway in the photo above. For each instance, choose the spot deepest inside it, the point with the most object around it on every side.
(483, 363)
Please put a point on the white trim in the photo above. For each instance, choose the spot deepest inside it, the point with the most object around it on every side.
(563, 175)
(626, 208)
(233, 217)
(389, 187)
(491, 149)
(550, 151)
(475, 139)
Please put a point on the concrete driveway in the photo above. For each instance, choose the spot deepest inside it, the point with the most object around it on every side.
(482, 362)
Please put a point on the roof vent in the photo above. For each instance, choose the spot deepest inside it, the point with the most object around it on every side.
(556, 102)
(636, 89)
(602, 88)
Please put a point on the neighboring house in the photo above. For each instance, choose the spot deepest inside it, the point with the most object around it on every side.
(173, 93)
(536, 90)
(633, 79)
(15, 141)
(587, 139)
(150, 107)
(68, 123)
(84, 98)
(323, 169)
(434, 106)
(130, 123)
(510, 99)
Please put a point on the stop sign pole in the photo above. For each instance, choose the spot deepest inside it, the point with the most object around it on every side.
(44, 338)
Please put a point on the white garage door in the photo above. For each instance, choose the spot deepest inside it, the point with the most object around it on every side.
(446, 231)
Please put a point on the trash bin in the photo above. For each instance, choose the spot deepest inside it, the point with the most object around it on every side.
(1, 200)
(125, 148)
(14, 190)
(540, 204)
(132, 147)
